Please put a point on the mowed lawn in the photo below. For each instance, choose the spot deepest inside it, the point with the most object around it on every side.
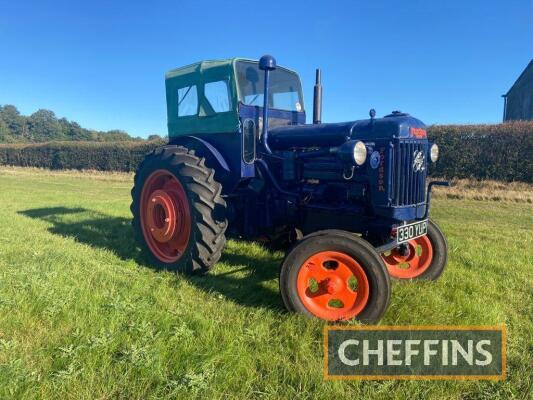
(82, 316)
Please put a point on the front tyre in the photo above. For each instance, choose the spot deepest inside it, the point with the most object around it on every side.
(179, 216)
(423, 258)
(334, 277)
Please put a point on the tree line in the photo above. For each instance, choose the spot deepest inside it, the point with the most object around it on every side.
(44, 126)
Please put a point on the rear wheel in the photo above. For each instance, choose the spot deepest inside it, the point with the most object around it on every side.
(178, 214)
(334, 277)
(421, 258)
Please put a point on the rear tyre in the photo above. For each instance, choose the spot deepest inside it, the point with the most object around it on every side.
(424, 259)
(179, 217)
(335, 277)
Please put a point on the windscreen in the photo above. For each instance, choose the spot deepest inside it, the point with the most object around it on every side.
(285, 88)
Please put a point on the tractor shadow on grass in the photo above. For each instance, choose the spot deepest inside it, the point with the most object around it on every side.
(242, 280)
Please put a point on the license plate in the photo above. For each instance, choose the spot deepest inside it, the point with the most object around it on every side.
(407, 232)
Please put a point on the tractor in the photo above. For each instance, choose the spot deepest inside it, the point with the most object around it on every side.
(348, 201)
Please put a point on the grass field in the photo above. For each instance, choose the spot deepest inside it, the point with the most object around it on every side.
(81, 315)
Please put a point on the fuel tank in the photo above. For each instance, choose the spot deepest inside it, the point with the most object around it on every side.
(395, 125)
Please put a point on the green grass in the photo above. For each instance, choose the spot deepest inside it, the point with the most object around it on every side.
(81, 316)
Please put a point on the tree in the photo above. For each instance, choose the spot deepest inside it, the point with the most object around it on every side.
(154, 137)
(16, 123)
(73, 131)
(115, 135)
(43, 126)
(5, 133)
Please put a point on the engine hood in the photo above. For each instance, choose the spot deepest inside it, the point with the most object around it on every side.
(396, 125)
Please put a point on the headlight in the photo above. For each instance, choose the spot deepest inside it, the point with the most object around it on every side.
(434, 153)
(359, 153)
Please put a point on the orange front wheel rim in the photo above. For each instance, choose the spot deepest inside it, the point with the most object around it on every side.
(333, 286)
(411, 263)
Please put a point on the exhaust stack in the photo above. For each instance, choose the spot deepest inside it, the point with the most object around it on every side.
(317, 100)
(267, 63)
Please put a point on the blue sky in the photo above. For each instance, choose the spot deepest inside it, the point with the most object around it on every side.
(102, 63)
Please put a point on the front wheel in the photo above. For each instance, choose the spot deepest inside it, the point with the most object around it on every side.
(422, 258)
(335, 277)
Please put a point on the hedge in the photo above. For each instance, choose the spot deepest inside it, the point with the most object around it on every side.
(499, 152)
(102, 156)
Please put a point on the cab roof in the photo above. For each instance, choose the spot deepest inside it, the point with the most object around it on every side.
(202, 66)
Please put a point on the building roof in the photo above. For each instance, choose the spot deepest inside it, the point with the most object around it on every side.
(530, 65)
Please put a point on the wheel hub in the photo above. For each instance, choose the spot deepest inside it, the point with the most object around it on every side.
(333, 284)
(161, 216)
(404, 250)
(409, 260)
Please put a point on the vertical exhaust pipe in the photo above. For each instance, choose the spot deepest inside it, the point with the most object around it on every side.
(267, 63)
(317, 99)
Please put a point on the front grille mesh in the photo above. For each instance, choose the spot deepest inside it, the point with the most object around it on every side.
(408, 185)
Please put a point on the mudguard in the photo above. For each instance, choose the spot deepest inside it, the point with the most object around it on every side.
(213, 158)
(203, 148)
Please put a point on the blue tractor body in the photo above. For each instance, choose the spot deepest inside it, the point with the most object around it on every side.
(349, 199)
(304, 177)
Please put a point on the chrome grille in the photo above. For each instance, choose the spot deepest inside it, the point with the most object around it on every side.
(408, 184)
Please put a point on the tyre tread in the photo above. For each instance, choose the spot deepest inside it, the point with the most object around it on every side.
(205, 201)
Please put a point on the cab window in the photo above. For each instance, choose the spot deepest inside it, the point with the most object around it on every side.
(285, 87)
(187, 101)
(217, 94)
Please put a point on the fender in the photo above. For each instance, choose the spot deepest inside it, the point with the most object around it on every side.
(205, 149)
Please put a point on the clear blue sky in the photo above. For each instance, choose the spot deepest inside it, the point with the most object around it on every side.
(102, 63)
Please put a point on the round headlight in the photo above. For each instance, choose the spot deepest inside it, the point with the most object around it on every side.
(359, 153)
(434, 153)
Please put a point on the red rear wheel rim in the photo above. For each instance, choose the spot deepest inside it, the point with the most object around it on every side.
(165, 216)
(333, 286)
(412, 263)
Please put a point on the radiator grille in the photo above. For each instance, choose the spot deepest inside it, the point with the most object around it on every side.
(408, 179)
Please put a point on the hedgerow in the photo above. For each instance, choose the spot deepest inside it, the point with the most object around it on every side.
(107, 156)
(499, 152)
